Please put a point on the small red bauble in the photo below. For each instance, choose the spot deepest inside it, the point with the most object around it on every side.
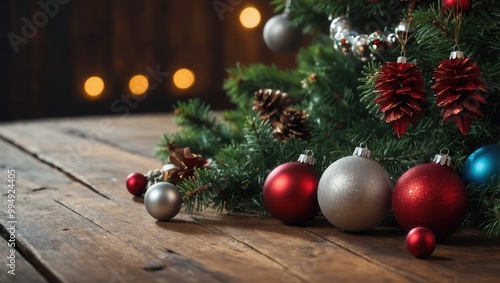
(136, 184)
(420, 242)
(432, 196)
(460, 6)
(290, 192)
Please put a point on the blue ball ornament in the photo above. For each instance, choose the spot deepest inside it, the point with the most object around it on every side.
(482, 165)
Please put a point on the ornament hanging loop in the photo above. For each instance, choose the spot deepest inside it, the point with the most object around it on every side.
(307, 157)
(443, 158)
(362, 151)
(287, 6)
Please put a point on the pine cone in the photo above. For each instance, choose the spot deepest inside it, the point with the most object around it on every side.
(402, 94)
(270, 103)
(292, 123)
(458, 86)
(183, 164)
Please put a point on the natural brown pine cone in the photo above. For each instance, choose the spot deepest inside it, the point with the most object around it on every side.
(270, 103)
(292, 123)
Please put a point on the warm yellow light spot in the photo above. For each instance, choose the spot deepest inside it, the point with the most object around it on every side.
(250, 17)
(138, 84)
(183, 78)
(94, 86)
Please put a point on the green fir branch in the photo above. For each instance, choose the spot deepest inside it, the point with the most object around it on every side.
(201, 130)
(338, 97)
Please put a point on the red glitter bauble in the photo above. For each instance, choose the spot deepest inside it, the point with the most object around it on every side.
(290, 193)
(432, 196)
(420, 242)
(457, 5)
(136, 184)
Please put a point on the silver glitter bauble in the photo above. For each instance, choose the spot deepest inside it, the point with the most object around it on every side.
(343, 40)
(377, 42)
(280, 36)
(339, 24)
(392, 41)
(163, 201)
(360, 48)
(354, 193)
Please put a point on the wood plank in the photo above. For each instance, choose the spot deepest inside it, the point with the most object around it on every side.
(216, 251)
(128, 223)
(67, 247)
(314, 258)
(133, 133)
(467, 255)
(23, 271)
(86, 160)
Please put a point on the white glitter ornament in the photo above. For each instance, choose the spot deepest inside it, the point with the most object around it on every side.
(354, 192)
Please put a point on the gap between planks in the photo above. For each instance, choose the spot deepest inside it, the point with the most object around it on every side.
(47, 161)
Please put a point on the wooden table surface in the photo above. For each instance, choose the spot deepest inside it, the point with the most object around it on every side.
(76, 222)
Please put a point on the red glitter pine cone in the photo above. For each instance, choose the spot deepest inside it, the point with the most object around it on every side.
(402, 94)
(458, 86)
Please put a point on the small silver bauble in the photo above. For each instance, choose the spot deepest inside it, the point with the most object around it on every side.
(377, 42)
(360, 48)
(339, 24)
(392, 41)
(280, 36)
(402, 29)
(343, 40)
(163, 201)
(354, 192)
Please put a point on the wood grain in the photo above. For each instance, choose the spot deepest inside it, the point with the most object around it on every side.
(453, 259)
(68, 247)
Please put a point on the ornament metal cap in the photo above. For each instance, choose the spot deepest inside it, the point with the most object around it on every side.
(362, 151)
(401, 59)
(457, 55)
(443, 158)
(307, 157)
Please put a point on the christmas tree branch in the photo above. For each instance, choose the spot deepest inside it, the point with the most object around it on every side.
(341, 109)
(200, 130)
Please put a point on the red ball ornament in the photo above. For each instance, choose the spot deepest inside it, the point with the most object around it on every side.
(459, 6)
(136, 184)
(432, 196)
(420, 242)
(290, 191)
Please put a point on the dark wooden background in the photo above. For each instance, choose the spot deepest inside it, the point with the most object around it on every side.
(117, 39)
